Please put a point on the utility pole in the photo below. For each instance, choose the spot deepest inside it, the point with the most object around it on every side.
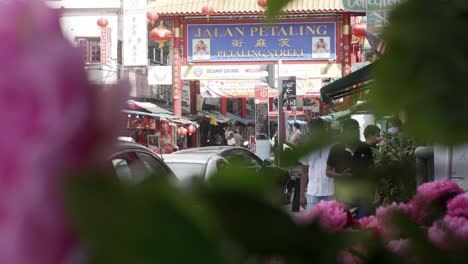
(280, 116)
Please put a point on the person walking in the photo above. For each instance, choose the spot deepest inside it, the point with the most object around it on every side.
(237, 138)
(315, 185)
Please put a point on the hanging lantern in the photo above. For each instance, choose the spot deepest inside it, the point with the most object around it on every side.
(191, 129)
(102, 22)
(160, 34)
(182, 131)
(152, 16)
(359, 30)
(208, 10)
(262, 3)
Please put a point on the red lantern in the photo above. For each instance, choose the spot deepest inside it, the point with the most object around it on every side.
(359, 30)
(102, 22)
(161, 34)
(152, 16)
(208, 11)
(262, 3)
(191, 129)
(182, 131)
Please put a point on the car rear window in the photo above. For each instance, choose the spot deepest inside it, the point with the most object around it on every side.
(184, 171)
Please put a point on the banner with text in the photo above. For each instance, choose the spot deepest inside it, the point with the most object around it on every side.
(223, 72)
(260, 42)
(246, 88)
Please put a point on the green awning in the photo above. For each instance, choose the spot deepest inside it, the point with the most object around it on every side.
(355, 82)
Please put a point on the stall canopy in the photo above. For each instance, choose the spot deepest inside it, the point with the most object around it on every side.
(239, 119)
(355, 82)
(154, 111)
(213, 115)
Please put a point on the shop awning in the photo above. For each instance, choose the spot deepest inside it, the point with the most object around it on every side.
(214, 115)
(239, 119)
(171, 7)
(150, 107)
(355, 82)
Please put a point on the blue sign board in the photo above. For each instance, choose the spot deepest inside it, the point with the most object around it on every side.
(261, 42)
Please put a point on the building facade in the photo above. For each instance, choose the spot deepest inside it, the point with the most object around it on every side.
(221, 50)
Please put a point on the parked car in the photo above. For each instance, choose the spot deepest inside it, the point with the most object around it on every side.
(134, 163)
(199, 165)
(244, 157)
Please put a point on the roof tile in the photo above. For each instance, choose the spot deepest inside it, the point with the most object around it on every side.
(166, 7)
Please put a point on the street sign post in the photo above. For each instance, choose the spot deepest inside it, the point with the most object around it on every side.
(289, 92)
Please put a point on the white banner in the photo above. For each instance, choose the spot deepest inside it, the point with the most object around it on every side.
(135, 33)
(160, 75)
(226, 72)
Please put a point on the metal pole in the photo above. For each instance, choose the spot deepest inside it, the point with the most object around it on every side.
(280, 115)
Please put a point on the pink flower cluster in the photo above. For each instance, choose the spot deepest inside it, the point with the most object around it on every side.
(52, 121)
(451, 232)
(331, 215)
(432, 194)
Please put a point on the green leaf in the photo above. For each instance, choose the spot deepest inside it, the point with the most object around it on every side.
(149, 223)
(424, 71)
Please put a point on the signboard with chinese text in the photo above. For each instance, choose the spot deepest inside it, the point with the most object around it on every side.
(261, 42)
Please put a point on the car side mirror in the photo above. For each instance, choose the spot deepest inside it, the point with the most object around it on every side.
(267, 162)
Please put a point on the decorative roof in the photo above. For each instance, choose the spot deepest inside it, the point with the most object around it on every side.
(224, 7)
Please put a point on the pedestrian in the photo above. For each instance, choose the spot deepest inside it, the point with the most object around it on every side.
(237, 138)
(296, 135)
(230, 139)
(347, 166)
(315, 185)
(217, 139)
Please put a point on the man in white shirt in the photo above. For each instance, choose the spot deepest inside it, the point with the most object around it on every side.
(316, 186)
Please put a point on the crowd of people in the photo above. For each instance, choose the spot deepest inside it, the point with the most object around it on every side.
(328, 173)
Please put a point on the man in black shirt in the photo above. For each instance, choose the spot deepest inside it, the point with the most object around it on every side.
(351, 161)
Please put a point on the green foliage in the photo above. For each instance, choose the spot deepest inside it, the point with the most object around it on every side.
(424, 71)
(395, 169)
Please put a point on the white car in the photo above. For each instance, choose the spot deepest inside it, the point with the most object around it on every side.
(195, 165)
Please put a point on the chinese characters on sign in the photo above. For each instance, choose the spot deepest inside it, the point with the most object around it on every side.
(245, 42)
(261, 112)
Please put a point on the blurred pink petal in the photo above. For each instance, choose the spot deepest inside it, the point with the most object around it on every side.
(399, 247)
(430, 194)
(331, 215)
(450, 233)
(458, 206)
(52, 122)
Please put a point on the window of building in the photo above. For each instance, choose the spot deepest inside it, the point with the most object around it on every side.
(91, 48)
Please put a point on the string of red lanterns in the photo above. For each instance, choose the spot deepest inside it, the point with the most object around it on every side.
(262, 3)
(161, 34)
(103, 22)
(359, 30)
(208, 10)
(152, 17)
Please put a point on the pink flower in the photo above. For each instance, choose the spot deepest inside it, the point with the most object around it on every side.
(367, 222)
(430, 195)
(431, 191)
(346, 257)
(399, 247)
(331, 215)
(52, 121)
(449, 233)
(458, 206)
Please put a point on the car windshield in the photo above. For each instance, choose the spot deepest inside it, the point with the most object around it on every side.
(184, 170)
